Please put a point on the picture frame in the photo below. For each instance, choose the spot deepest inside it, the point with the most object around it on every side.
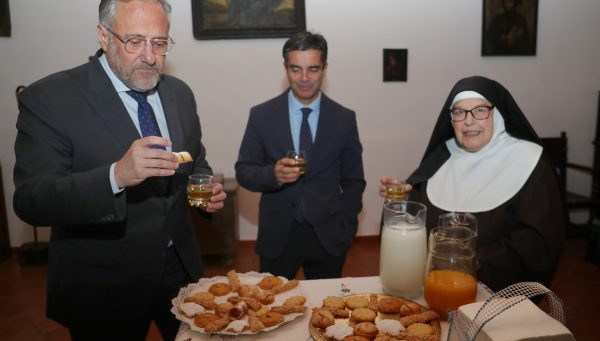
(5, 27)
(395, 65)
(242, 19)
(509, 28)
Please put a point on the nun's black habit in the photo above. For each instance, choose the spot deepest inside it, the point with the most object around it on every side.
(521, 238)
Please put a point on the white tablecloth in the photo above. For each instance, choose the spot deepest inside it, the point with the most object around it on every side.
(316, 290)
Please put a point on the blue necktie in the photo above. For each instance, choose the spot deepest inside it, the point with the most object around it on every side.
(146, 118)
(306, 144)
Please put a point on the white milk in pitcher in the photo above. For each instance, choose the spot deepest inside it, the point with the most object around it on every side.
(402, 259)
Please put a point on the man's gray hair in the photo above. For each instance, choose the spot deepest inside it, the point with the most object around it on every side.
(107, 11)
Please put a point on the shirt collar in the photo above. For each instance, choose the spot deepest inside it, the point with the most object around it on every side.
(296, 105)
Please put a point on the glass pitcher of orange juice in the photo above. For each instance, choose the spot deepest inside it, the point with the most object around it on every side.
(450, 279)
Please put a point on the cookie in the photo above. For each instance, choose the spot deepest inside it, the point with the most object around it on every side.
(366, 329)
(322, 318)
(183, 157)
(355, 338)
(419, 329)
(389, 305)
(363, 315)
(270, 282)
(203, 319)
(295, 300)
(220, 289)
(199, 297)
(334, 302)
(356, 302)
(271, 319)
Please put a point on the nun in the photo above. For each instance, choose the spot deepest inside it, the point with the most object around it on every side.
(485, 158)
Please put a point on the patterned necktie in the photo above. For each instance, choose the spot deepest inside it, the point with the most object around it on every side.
(306, 144)
(146, 118)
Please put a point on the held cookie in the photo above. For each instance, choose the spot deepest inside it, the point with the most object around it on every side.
(183, 157)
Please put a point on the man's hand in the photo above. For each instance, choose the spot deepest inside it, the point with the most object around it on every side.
(141, 162)
(217, 198)
(286, 170)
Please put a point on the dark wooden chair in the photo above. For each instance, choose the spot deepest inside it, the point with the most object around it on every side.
(556, 149)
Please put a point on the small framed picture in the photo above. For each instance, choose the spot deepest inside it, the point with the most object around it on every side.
(4, 19)
(244, 19)
(509, 28)
(395, 65)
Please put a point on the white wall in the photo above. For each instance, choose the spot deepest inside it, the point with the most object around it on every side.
(557, 89)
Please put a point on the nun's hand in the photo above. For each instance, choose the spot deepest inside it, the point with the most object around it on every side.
(386, 180)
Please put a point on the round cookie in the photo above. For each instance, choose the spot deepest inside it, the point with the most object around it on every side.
(334, 302)
(419, 329)
(356, 302)
(295, 300)
(270, 282)
(355, 338)
(203, 319)
(363, 315)
(220, 289)
(389, 305)
(271, 319)
(366, 329)
(322, 318)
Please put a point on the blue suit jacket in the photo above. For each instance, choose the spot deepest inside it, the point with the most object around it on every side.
(333, 183)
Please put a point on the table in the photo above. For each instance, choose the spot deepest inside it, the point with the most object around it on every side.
(316, 291)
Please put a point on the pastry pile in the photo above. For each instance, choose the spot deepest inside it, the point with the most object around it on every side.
(374, 317)
(232, 306)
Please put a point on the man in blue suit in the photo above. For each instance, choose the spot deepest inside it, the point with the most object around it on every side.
(305, 221)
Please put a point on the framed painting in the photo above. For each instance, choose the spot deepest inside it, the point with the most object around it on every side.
(509, 28)
(4, 19)
(244, 19)
(395, 62)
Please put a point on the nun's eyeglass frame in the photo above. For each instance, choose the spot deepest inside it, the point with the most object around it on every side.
(480, 112)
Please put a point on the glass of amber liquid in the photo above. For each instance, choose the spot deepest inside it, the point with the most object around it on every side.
(199, 190)
(450, 278)
(394, 191)
(300, 159)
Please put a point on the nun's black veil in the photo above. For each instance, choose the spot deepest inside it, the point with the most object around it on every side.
(514, 120)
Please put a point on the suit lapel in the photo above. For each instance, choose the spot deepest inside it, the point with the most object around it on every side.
(172, 114)
(325, 128)
(107, 104)
(281, 122)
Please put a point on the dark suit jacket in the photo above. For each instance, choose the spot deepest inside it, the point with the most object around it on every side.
(107, 251)
(333, 183)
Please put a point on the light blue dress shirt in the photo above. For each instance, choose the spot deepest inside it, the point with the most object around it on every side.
(294, 107)
(132, 106)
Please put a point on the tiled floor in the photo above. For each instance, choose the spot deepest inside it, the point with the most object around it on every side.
(22, 290)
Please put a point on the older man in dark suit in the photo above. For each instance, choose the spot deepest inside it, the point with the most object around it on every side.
(305, 221)
(95, 162)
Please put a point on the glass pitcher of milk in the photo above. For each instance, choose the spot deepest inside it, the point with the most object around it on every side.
(403, 253)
